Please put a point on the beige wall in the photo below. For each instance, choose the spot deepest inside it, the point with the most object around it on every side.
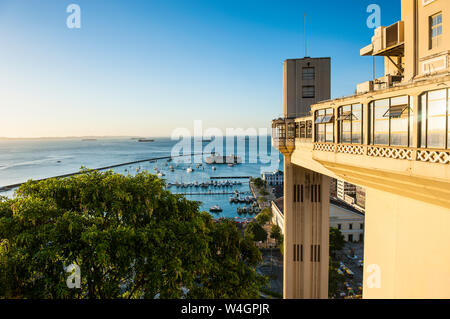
(417, 40)
(409, 240)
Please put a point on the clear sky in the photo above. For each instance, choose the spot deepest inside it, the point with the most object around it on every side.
(143, 68)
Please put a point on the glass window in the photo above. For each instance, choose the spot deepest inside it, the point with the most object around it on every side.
(350, 124)
(325, 125)
(309, 129)
(381, 123)
(280, 131)
(411, 120)
(435, 30)
(391, 121)
(448, 118)
(291, 130)
(309, 74)
(434, 119)
(302, 126)
(308, 91)
(423, 121)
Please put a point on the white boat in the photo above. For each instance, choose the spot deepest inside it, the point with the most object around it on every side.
(213, 168)
(215, 209)
(189, 170)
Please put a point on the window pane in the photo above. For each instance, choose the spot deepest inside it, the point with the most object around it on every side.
(411, 121)
(346, 132)
(423, 121)
(401, 100)
(320, 133)
(357, 112)
(448, 119)
(381, 124)
(399, 131)
(437, 114)
(382, 103)
(356, 134)
(329, 133)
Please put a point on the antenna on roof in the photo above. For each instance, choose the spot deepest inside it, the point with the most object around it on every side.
(306, 48)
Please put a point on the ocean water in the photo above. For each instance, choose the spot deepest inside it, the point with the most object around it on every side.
(21, 160)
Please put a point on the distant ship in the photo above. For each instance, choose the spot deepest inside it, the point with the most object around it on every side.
(144, 140)
(217, 159)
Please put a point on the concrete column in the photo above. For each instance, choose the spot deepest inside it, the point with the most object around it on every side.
(306, 237)
(406, 248)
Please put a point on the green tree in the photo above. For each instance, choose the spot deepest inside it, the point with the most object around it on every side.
(232, 266)
(264, 217)
(337, 240)
(276, 234)
(130, 236)
(258, 182)
(263, 192)
(255, 232)
(334, 278)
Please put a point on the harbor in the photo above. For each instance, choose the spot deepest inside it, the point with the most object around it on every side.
(222, 189)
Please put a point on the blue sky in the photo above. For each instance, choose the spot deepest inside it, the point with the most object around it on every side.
(143, 68)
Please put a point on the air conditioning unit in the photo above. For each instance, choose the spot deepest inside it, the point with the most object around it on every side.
(378, 42)
(394, 34)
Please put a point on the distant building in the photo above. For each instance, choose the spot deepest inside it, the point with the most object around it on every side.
(273, 178)
(361, 197)
(345, 218)
(349, 222)
(346, 192)
(278, 213)
(333, 187)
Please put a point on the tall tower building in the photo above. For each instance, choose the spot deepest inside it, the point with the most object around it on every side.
(305, 82)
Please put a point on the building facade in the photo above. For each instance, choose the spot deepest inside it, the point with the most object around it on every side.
(273, 178)
(349, 222)
(393, 139)
(346, 191)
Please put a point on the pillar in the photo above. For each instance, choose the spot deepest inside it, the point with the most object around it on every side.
(306, 237)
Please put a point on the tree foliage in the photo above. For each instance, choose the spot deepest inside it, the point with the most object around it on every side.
(264, 217)
(130, 236)
(334, 278)
(258, 182)
(255, 232)
(276, 234)
(337, 240)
